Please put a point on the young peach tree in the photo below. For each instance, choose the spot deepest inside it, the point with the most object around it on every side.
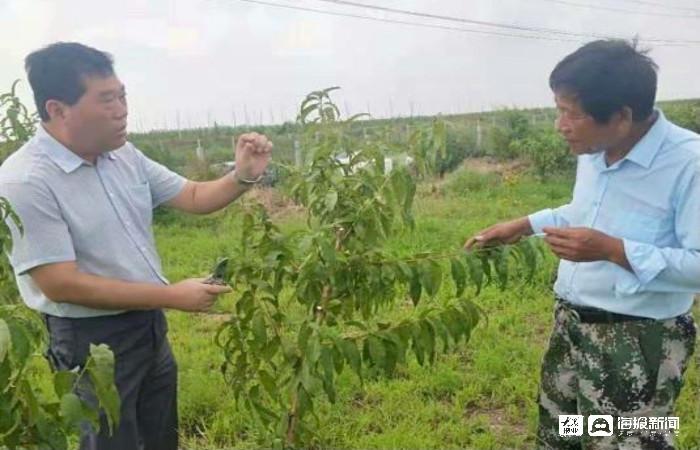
(332, 297)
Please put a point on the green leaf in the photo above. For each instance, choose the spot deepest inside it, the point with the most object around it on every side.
(399, 183)
(11, 421)
(331, 200)
(418, 345)
(338, 360)
(304, 403)
(5, 373)
(5, 340)
(21, 343)
(454, 324)
(486, 259)
(51, 434)
(63, 382)
(100, 368)
(431, 276)
(313, 351)
(386, 221)
(441, 331)
(271, 348)
(303, 337)
(392, 356)
(476, 271)
(427, 337)
(74, 411)
(259, 329)
(326, 361)
(501, 266)
(399, 336)
(329, 389)
(377, 352)
(31, 409)
(310, 381)
(459, 275)
(352, 355)
(530, 256)
(268, 382)
(409, 195)
(266, 415)
(415, 288)
(405, 270)
(327, 251)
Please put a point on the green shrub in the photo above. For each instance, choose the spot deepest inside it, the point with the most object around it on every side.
(465, 182)
(684, 114)
(460, 144)
(546, 150)
(510, 125)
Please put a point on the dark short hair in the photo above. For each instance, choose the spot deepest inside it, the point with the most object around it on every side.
(607, 75)
(57, 72)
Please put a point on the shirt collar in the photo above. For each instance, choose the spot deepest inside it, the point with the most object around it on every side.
(646, 149)
(64, 158)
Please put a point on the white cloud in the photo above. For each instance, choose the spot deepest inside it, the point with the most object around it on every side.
(216, 58)
(25, 25)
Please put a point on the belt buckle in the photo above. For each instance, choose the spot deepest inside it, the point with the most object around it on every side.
(587, 314)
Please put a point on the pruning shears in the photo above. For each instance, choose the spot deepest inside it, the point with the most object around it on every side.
(219, 274)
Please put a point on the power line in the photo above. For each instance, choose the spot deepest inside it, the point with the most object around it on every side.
(459, 19)
(494, 24)
(401, 22)
(623, 10)
(664, 5)
(659, 43)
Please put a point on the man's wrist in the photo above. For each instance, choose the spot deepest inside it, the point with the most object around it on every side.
(166, 297)
(524, 226)
(244, 182)
(616, 253)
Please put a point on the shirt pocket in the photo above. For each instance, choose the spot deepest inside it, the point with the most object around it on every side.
(141, 200)
(641, 223)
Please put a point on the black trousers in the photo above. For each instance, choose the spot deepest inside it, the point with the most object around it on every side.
(145, 376)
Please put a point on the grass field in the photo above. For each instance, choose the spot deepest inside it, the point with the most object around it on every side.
(481, 396)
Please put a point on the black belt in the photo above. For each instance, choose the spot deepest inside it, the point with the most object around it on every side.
(588, 314)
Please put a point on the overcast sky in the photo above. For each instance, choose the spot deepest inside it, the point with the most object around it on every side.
(216, 60)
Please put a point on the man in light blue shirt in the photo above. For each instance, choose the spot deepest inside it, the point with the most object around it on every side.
(87, 258)
(629, 244)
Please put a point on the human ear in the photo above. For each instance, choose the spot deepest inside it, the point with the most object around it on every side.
(624, 120)
(55, 109)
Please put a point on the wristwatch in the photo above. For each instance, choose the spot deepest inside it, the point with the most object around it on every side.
(244, 181)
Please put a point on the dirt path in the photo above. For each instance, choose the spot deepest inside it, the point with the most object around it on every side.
(490, 165)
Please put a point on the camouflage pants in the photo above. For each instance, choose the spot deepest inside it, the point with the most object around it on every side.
(624, 369)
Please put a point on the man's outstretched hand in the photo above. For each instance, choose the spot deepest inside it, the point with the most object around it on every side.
(499, 234)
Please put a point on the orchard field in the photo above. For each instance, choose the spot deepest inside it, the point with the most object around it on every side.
(349, 268)
(481, 396)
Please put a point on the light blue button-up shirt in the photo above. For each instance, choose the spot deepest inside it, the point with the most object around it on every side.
(651, 200)
(96, 215)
